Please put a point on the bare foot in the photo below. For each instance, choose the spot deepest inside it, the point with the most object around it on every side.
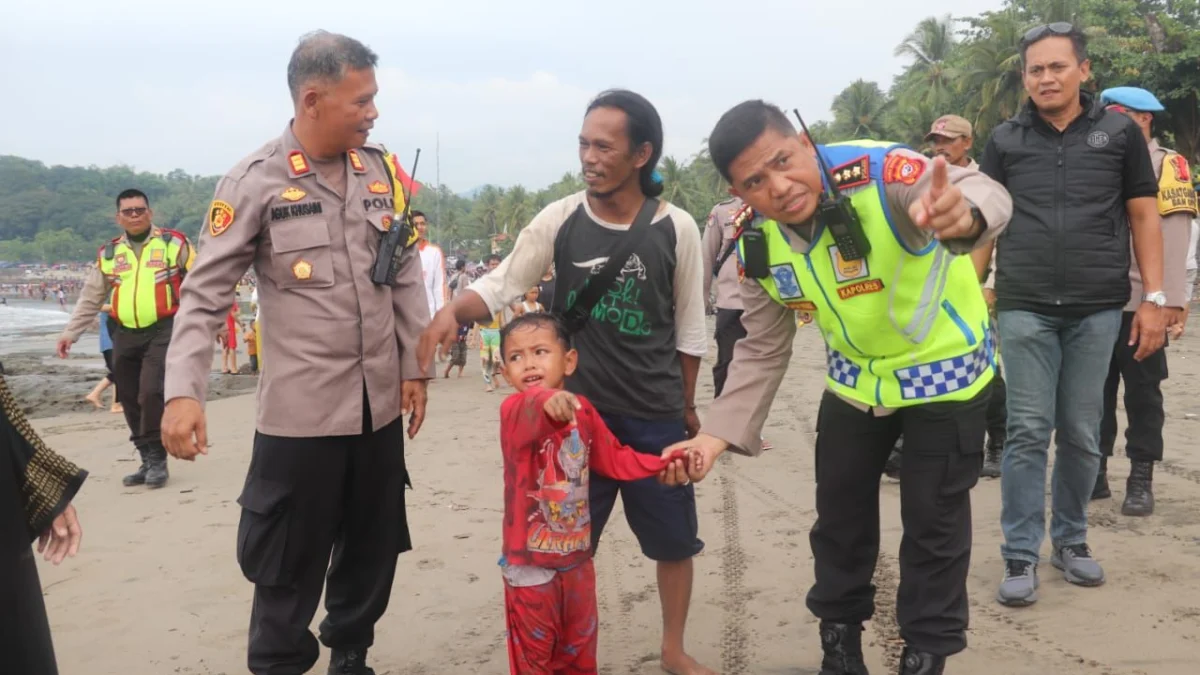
(682, 664)
(94, 399)
(117, 408)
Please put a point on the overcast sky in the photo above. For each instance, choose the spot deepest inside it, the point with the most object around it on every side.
(198, 85)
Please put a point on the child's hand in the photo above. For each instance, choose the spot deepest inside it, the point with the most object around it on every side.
(561, 407)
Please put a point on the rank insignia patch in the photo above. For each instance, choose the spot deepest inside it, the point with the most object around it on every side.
(856, 173)
(378, 187)
(356, 161)
(293, 194)
(298, 163)
(898, 168)
(302, 270)
(220, 217)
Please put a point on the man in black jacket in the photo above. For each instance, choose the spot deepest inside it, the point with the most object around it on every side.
(1080, 178)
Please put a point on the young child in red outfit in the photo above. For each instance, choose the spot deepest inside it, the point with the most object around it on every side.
(552, 440)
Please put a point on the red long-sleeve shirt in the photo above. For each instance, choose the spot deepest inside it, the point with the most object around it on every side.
(546, 466)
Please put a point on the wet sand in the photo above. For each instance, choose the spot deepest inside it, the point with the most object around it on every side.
(157, 591)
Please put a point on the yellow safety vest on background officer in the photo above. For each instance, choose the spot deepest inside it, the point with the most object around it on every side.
(901, 327)
(145, 287)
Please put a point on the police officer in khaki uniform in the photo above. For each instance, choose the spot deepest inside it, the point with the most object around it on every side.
(327, 474)
(1143, 379)
(139, 274)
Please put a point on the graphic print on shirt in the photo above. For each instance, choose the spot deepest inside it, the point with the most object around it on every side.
(621, 305)
(561, 522)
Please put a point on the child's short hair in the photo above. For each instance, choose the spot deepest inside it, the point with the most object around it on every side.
(537, 320)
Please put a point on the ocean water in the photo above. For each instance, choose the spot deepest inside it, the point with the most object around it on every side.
(22, 318)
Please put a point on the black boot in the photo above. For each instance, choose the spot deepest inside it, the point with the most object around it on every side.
(913, 662)
(156, 466)
(1139, 489)
(991, 460)
(137, 477)
(842, 644)
(1101, 490)
(891, 468)
(349, 662)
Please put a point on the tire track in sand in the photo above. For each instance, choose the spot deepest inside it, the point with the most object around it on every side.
(735, 641)
(887, 585)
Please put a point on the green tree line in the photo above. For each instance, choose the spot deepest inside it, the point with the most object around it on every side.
(969, 66)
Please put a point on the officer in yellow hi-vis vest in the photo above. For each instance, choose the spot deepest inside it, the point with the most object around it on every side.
(870, 241)
(139, 273)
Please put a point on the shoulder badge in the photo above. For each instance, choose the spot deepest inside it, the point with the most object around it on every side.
(298, 163)
(220, 217)
(356, 162)
(1175, 191)
(901, 168)
(852, 174)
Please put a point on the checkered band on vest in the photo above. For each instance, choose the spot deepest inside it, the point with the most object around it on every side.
(929, 380)
(841, 369)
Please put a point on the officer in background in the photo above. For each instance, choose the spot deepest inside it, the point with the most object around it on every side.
(1143, 379)
(951, 137)
(720, 267)
(139, 273)
(327, 473)
(909, 350)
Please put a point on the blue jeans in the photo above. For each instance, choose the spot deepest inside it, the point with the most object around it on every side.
(1055, 370)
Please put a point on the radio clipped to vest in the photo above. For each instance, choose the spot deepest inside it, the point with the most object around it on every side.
(837, 214)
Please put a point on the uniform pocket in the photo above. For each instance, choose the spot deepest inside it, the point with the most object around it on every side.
(262, 541)
(300, 254)
(966, 460)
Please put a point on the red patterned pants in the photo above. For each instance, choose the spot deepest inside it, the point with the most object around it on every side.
(552, 628)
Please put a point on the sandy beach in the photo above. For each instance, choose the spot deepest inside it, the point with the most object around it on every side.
(156, 589)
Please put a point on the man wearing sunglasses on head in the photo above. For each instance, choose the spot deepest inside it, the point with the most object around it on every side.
(1081, 182)
(139, 274)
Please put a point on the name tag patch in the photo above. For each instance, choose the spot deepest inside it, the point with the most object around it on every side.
(860, 288)
(295, 211)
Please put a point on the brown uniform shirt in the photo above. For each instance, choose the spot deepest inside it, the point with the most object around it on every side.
(718, 235)
(1176, 233)
(328, 332)
(97, 288)
(761, 358)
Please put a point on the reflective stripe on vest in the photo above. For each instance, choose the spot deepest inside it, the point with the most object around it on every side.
(146, 287)
(902, 327)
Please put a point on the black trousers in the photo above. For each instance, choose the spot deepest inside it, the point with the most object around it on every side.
(25, 644)
(997, 412)
(140, 371)
(1143, 399)
(943, 454)
(729, 330)
(303, 499)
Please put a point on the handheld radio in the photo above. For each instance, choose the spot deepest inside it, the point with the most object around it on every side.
(393, 242)
(837, 213)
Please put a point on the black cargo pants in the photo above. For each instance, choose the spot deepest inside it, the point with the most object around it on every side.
(943, 453)
(303, 499)
(140, 371)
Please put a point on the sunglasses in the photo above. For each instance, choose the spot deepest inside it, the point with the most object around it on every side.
(1038, 32)
(136, 211)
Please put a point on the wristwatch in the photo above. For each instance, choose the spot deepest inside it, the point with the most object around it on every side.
(1157, 297)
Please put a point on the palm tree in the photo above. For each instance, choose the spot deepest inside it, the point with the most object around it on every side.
(930, 46)
(991, 77)
(858, 111)
(516, 209)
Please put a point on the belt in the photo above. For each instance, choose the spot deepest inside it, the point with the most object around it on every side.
(157, 325)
